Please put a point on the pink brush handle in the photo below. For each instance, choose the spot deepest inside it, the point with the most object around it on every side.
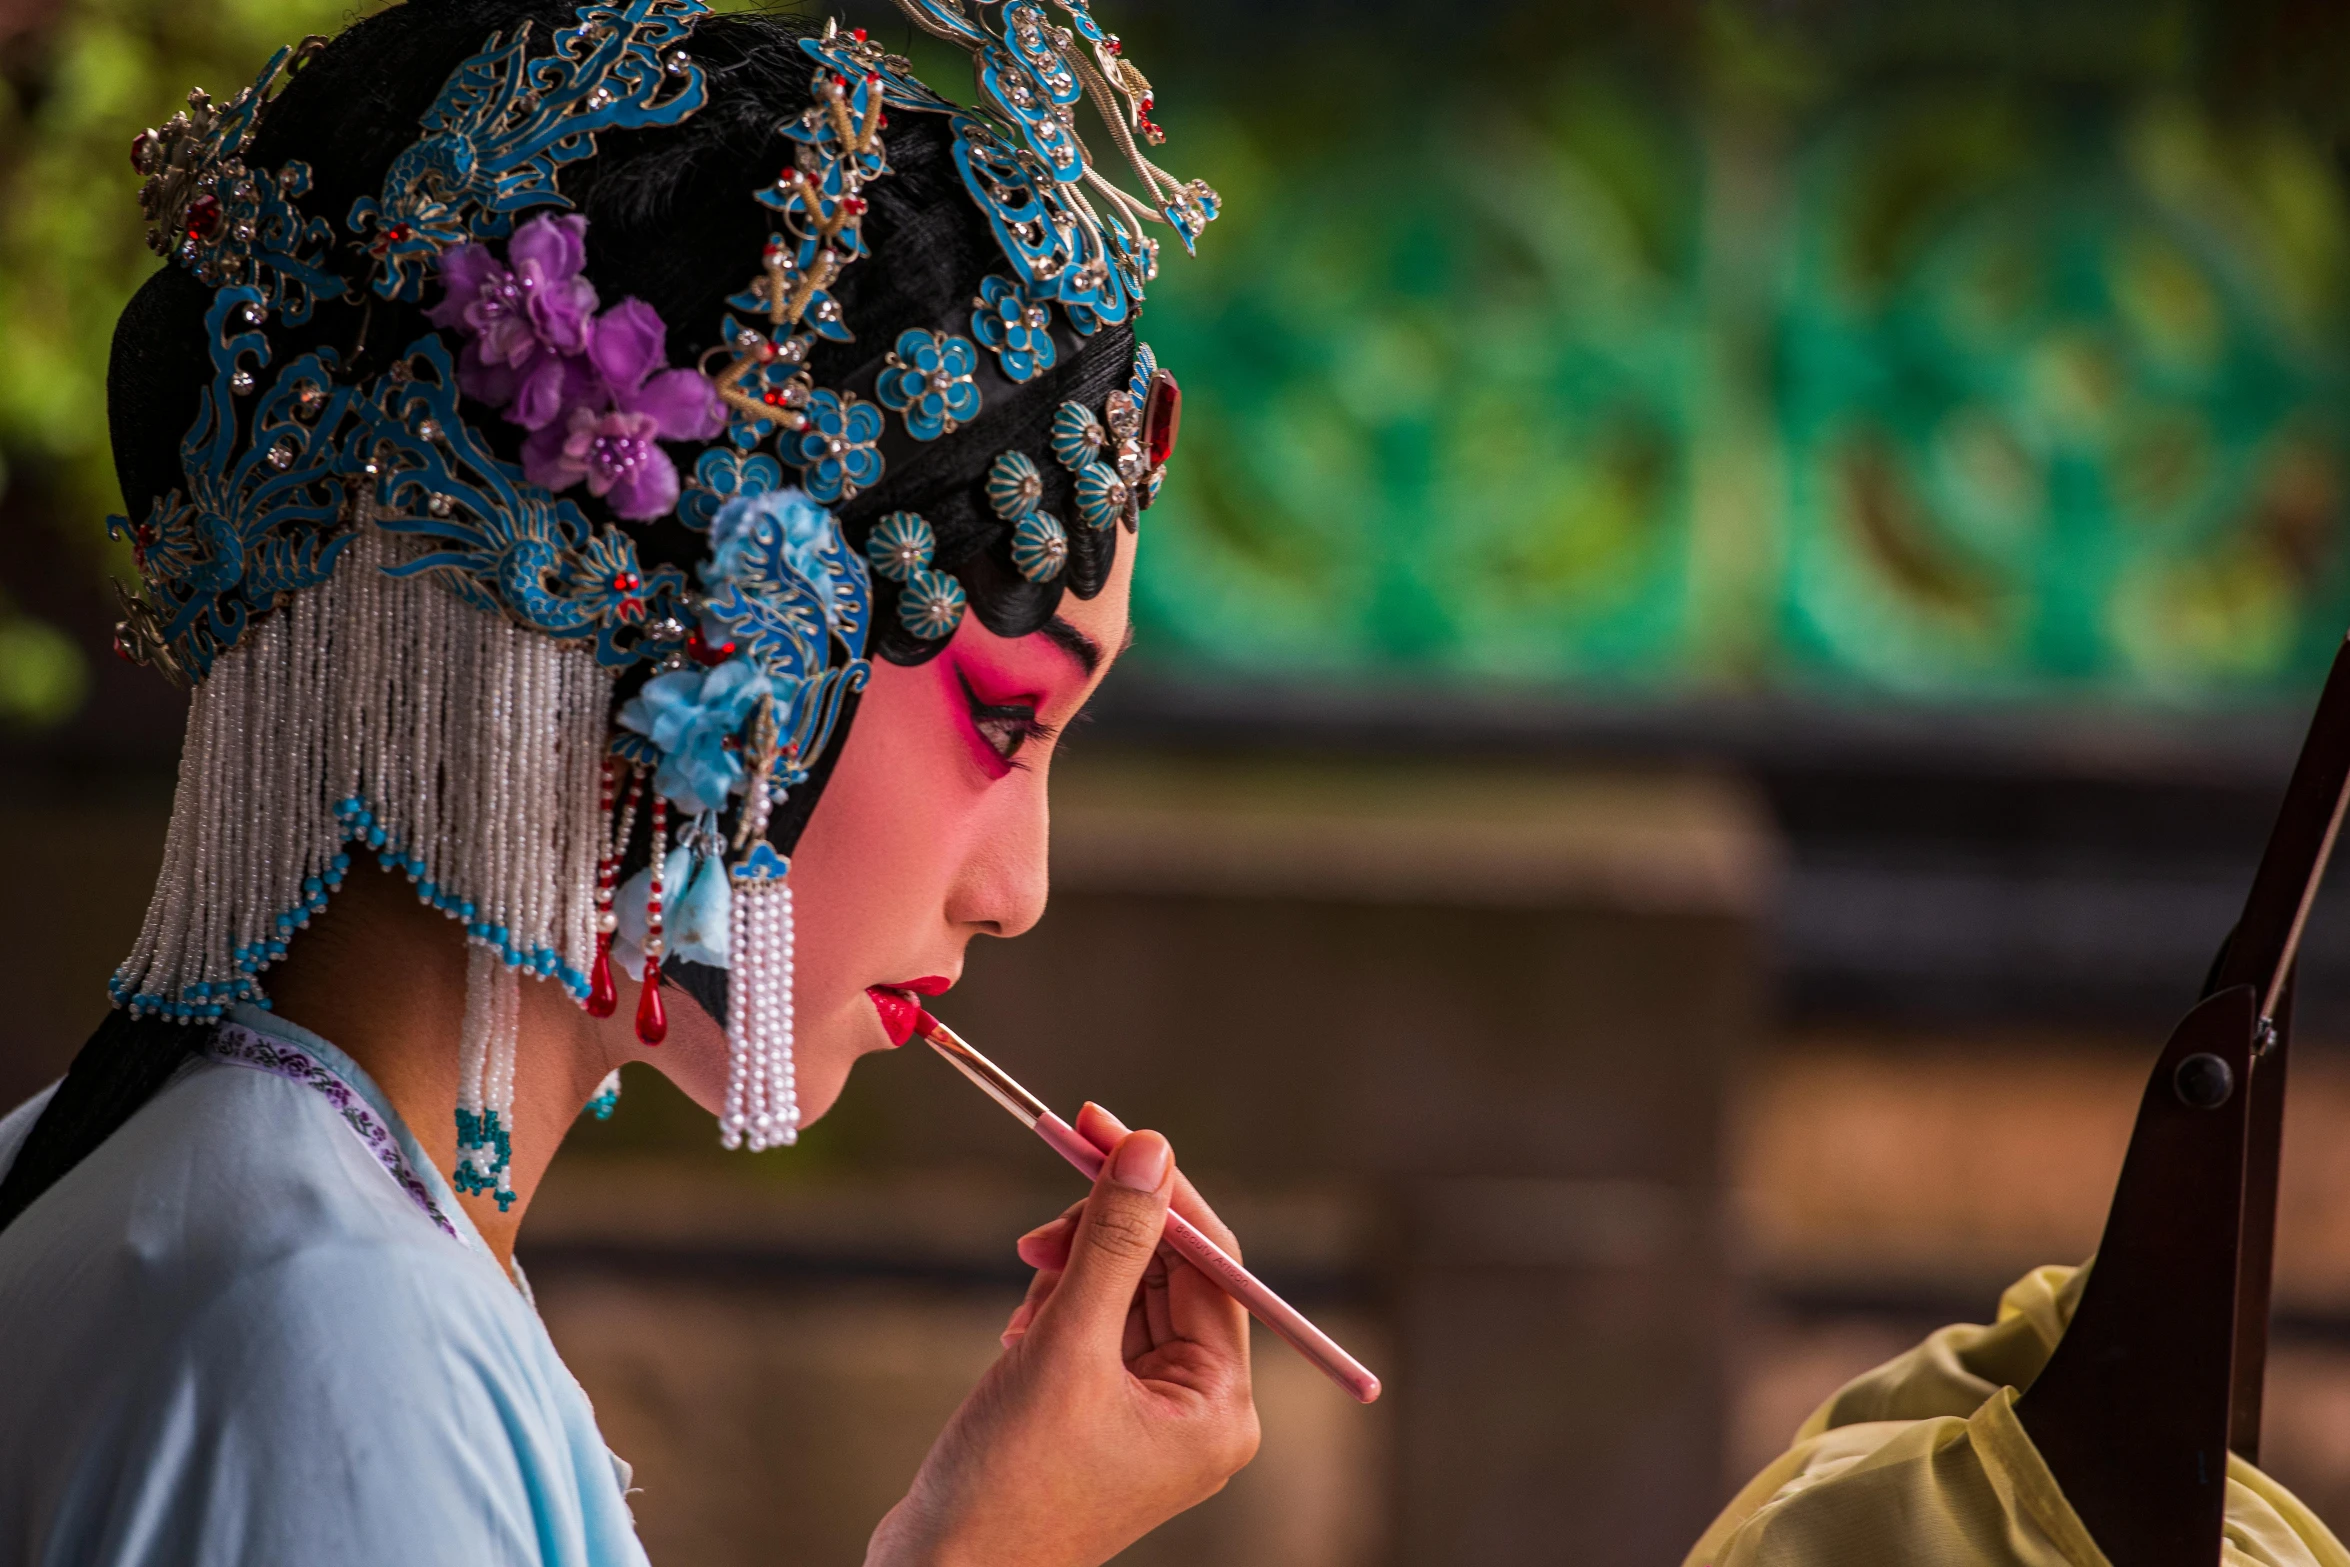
(1235, 1280)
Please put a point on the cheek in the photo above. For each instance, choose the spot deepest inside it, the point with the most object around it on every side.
(870, 875)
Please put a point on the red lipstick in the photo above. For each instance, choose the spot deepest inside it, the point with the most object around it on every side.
(900, 1012)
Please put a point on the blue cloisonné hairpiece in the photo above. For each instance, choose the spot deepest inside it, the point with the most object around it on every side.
(258, 520)
(507, 119)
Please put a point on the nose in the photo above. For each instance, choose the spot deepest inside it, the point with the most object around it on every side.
(1001, 885)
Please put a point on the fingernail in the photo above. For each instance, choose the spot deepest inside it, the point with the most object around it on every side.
(1141, 1162)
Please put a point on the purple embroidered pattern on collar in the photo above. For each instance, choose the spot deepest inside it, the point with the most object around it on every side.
(236, 1045)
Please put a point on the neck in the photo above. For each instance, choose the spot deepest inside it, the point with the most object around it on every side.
(383, 977)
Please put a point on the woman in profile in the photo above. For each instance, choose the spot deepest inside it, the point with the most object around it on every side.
(636, 495)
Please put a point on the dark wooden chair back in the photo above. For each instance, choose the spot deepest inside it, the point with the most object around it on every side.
(2159, 1375)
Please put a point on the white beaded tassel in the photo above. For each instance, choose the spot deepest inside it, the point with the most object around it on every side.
(485, 1076)
(762, 1107)
(461, 749)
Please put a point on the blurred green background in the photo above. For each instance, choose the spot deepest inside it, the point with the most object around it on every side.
(1991, 352)
(1933, 351)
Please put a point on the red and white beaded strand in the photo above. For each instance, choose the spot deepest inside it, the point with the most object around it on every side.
(603, 994)
(652, 1024)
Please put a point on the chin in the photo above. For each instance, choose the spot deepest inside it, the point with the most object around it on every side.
(828, 1050)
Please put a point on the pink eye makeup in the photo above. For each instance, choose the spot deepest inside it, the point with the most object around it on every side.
(1003, 728)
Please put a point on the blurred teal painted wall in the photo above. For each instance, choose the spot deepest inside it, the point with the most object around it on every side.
(1745, 348)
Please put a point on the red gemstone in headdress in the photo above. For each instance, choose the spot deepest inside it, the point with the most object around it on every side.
(1162, 417)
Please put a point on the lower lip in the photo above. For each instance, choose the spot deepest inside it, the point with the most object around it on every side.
(900, 1012)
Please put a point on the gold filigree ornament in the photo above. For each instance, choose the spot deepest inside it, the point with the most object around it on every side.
(225, 222)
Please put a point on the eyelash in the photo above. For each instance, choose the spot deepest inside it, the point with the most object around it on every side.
(1006, 727)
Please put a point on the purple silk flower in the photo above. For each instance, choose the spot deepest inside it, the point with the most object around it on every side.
(592, 390)
(529, 319)
(609, 442)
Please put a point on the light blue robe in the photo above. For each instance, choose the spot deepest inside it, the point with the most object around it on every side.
(232, 1335)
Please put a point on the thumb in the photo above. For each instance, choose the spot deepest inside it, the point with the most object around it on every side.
(1116, 1236)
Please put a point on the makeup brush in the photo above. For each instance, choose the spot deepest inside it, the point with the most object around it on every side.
(1204, 1254)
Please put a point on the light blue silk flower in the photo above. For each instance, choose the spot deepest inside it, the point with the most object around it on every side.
(689, 715)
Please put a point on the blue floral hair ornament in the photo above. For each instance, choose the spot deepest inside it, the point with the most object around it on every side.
(720, 475)
(1016, 328)
(835, 453)
(900, 544)
(928, 383)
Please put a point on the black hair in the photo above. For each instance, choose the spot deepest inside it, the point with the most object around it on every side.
(671, 221)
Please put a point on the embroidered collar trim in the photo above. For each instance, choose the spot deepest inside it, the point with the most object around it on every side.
(237, 1045)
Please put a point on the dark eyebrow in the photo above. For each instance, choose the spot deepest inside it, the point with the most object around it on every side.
(1073, 642)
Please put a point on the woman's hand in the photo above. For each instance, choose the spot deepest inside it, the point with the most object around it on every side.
(1121, 1399)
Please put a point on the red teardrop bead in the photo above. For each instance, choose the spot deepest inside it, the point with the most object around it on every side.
(204, 215)
(139, 146)
(652, 1024)
(1162, 418)
(603, 995)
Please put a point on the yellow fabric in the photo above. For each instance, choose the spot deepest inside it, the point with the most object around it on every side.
(1922, 1462)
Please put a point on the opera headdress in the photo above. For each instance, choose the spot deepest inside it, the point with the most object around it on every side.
(400, 559)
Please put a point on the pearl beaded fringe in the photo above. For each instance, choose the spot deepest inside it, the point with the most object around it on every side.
(456, 746)
(762, 1108)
